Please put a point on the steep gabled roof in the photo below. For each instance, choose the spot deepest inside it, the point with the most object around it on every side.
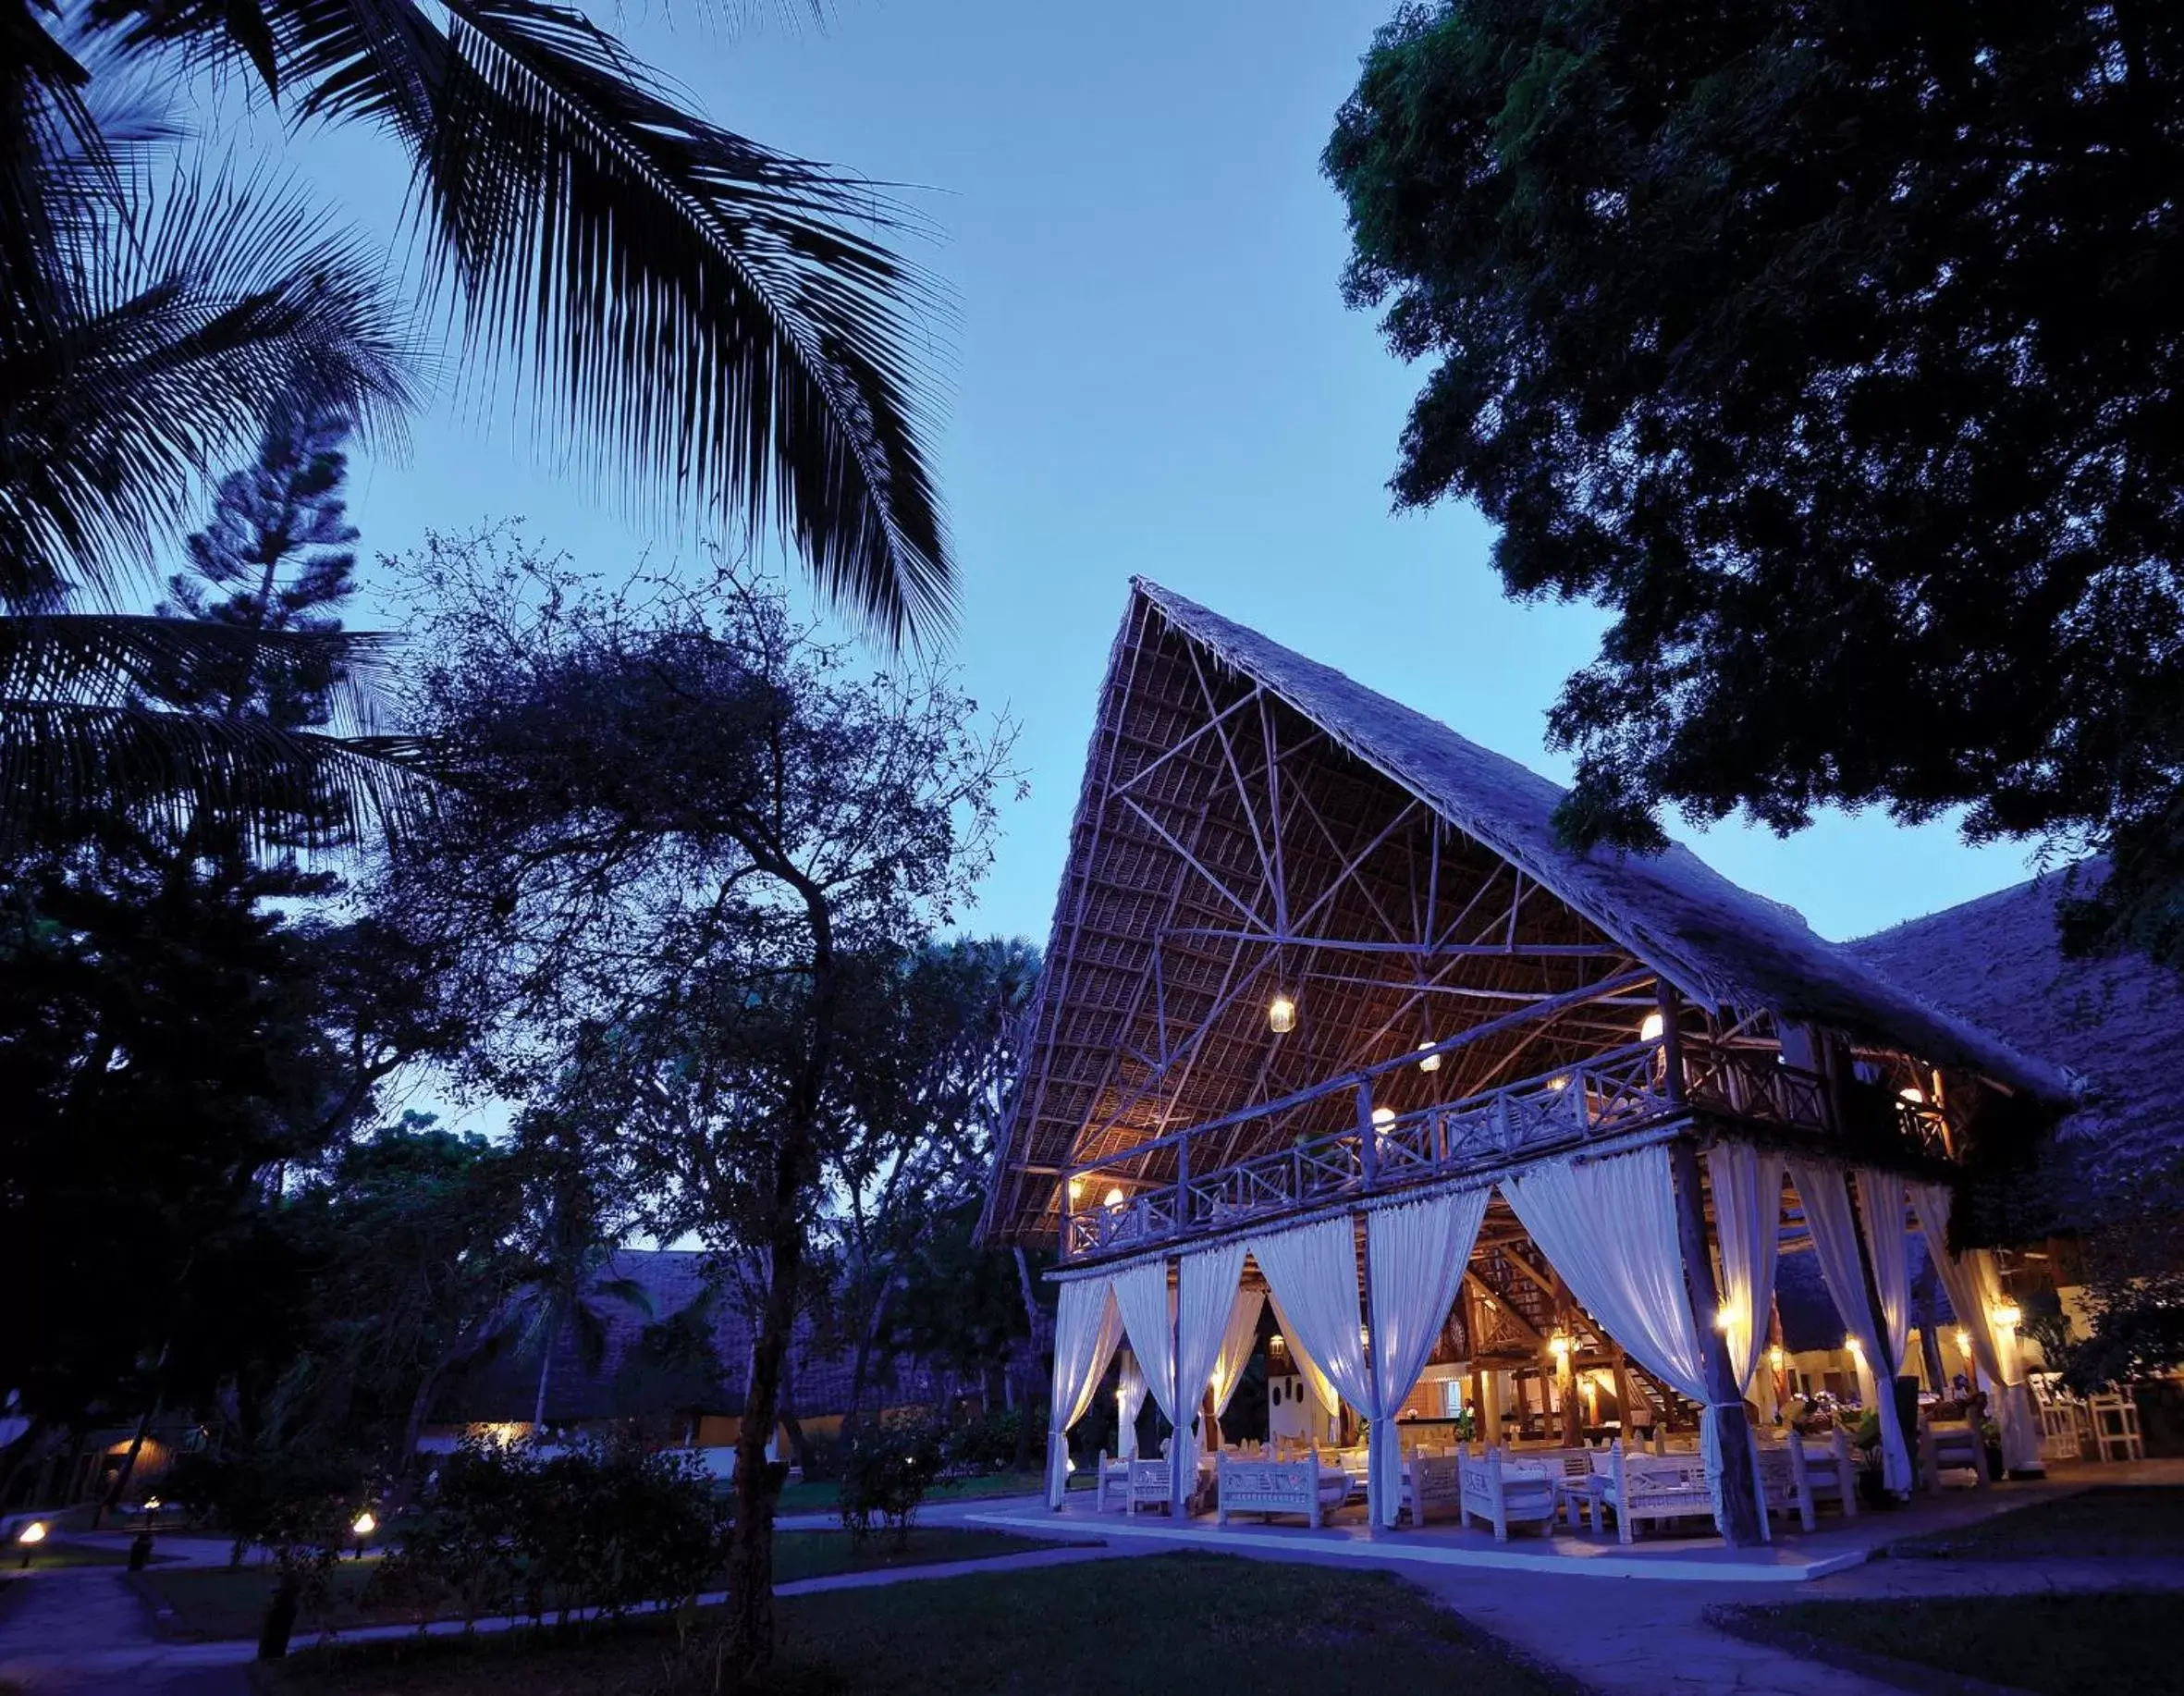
(1168, 859)
(2117, 1021)
(1720, 944)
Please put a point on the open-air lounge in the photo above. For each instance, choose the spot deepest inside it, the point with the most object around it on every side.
(1487, 1147)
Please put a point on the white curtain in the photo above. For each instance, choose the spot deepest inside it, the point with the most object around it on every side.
(1129, 1403)
(1312, 1270)
(1609, 1226)
(1316, 1382)
(1881, 1205)
(1206, 1295)
(1826, 1201)
(1417, 1254)
(1237, 1343)
(1974, 1292)
(1148, 1308)
(1087, 1328)
(1748, 1228)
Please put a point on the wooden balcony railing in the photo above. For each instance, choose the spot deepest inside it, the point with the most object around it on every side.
(1614, 1093)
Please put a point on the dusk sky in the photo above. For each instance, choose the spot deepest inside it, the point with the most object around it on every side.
(1150, 369)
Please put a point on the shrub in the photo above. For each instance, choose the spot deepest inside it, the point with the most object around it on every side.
(887, 1467)
(985, 1443)
(609, 1527)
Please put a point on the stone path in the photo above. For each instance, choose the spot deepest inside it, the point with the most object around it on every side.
(81, 1632)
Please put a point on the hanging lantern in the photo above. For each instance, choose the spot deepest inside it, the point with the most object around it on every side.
(1281, 1015)
(1431, 1062)
(1076, 1189)
(1382, 1117)
(1559, 1345)
(1115, 1197)
(1650, 1027)
(1963, 1342)
(1913, 1094)
(1774, 1357)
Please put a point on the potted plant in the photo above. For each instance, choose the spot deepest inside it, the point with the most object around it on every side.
(1873, 1479)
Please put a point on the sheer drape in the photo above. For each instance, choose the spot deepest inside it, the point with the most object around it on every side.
(1609, 1226)
(1087, 1328)
(1206, 1294)
(1313, 1273)
(1148, 1308)
(1129, 1404)
(1881, 1205)
(1417, 1254)
(1825, 1196)
(1316, 1384)
(1237, 1343)
(1974, 1292)
(1747, 1229)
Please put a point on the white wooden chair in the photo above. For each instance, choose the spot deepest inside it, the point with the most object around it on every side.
(1269, 1487)
(1825, 1469)
(1433, 1487)
(1147, 1485)
(1509, 1492)
(2062, 1429)
(1655, 1487)
(1950, 1446)
(2115, 1427)
(1110, 1483)
(1783, 1488)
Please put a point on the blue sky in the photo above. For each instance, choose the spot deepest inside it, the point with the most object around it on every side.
(1149, 370)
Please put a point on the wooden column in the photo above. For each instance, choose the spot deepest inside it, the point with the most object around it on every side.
(1740, 1499)
(1740, 1502)
(1179, 1488)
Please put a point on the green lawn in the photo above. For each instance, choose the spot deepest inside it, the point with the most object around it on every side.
(824, 1496)
(1210, 1625)
(213, 1602)
(2111, 1519)
(55, 1552)
(2051, 1643)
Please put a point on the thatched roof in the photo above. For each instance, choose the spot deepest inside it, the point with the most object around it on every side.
(2118, 1023)
(1223, 765)
(628, 1383)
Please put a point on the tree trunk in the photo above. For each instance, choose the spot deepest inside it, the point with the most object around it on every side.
(546, 1365)
(750, 1606)
(1027, 1363)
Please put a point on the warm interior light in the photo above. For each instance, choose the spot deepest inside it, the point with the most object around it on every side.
(1774, 1357)
(1914, 1095)
(1431, 1062)
(1650, 1027)
(1558, 1084)
(2008, 1315)
(1281, 1015)
(1963, 1341)
(1274, 1343)
(1115, 1197)
(365, 1524)
(1383, 1115)
(1724, 1317)
(1852, 1344)
(1559, 1346)
(1076, 1189)
(32, 1532)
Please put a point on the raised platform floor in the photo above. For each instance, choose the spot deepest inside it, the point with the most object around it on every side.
(1794, 1556)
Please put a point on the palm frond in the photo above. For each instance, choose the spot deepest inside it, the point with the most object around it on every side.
(723, 320)
(222, 303)
(113, 660)
(60, 759)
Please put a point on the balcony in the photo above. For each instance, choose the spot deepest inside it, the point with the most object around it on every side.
(1609, 1095)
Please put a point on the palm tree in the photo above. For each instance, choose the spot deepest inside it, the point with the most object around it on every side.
(145, 337)
(714, 317)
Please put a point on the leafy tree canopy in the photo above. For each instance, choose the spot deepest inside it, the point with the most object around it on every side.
(1835, 347)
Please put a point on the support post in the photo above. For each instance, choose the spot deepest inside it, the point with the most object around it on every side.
(1380, 1432)
(1179, 1490)
(1741, 1500)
